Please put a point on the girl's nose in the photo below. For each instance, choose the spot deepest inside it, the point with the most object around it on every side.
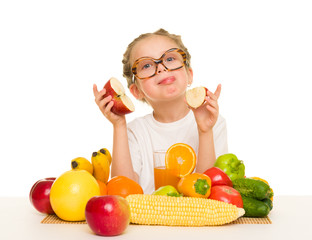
(161, 68)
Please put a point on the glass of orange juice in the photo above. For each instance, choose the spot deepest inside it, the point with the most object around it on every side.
(162, 175)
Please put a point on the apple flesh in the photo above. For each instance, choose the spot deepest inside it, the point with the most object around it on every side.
(195, 97)
(122, 103)
(39, 195)
(107, 215)
(218, 177)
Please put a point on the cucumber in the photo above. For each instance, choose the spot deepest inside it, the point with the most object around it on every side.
(254, 207)
(252, 188)
(269, 202)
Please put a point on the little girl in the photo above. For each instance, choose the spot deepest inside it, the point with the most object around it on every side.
(157, 68)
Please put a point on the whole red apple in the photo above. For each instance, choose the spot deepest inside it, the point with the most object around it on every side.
(108, 215)
(39, 195)
(122, 103)
(218, 177)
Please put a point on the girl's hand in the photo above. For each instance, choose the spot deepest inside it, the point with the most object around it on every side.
(105, 105)
(206, 115)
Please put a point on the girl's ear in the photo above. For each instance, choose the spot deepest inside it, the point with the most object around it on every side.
(136, 92)
(190, 74)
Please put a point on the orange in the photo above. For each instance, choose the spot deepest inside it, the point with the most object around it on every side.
(70, 193)
(181, 159)
(103, 188)
(123, 186)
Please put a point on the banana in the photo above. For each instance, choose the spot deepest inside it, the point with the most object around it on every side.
(81, 163)
(107, 154)
(101, 167)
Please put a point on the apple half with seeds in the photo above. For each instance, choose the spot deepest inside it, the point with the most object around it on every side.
(195, 97)
(122, 103)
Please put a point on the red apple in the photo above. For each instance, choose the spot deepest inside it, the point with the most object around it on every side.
(107, 215)
(218, 177)
(226, 194)
(39, 195)
(122, 103)
(195, 97)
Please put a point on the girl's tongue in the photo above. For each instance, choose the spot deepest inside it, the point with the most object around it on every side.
(167, 80)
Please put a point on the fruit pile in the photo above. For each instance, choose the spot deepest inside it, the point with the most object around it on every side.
(84, 193)
(218, 196)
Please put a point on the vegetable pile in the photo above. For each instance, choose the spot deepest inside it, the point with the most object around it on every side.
(255, 192)
(226, 182)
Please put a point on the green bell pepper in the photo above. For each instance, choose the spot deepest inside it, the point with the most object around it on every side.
(230, 164)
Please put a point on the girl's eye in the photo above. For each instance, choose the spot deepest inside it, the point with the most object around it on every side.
(146, 66)
(170, 59)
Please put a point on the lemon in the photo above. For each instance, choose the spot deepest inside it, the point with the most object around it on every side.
(70, 193)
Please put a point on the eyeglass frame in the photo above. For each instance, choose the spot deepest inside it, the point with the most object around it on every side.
(158, 61)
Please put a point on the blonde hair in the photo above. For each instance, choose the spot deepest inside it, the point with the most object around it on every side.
(127, 67)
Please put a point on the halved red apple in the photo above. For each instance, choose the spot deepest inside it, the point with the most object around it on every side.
(195, 97)
(122, 103)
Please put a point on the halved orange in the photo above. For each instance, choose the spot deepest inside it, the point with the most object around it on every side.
(180, 159)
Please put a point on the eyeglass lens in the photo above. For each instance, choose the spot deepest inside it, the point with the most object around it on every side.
(147, 67)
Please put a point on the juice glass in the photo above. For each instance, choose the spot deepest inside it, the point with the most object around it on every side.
(162, 175)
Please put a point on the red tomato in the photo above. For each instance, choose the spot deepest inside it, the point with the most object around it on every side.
(218, 177)
(226, 194)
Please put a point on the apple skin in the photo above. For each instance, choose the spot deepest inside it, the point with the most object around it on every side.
(39, 195)
(107, 215)
(119, 107)
(218, 177)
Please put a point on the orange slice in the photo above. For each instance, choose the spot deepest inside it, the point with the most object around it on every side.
(180, 159)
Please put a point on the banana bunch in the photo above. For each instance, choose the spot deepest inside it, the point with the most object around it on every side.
(101, 161)
(81, 163)
(100, 167)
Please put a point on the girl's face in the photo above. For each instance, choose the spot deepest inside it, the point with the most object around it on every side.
(165, 85)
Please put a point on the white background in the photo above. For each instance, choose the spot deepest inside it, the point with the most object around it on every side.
(51, 53)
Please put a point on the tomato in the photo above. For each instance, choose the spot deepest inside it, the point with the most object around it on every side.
(218, 177)
(123, 186)
(226, 194)
(195, 185)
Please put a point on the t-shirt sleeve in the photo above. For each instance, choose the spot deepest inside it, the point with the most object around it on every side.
(135, 152)
(220, 137)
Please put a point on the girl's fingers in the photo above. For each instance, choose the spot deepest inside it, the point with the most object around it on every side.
(218, 91)
(98, 94)
(102, 103)
(95, 90)
(213, 111)
(211, 102)
(108, 108)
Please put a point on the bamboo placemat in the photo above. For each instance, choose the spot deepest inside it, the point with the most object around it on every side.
(53, 219)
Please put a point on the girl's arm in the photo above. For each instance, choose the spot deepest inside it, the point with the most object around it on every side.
(121, 160)
(206, 116)
(206, 156)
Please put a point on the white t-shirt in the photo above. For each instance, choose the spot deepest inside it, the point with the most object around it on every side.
(147, 135)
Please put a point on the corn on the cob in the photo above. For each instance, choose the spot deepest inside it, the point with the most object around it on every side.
(180, 211)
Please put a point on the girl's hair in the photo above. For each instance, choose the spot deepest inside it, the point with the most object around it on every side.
(127, 67)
